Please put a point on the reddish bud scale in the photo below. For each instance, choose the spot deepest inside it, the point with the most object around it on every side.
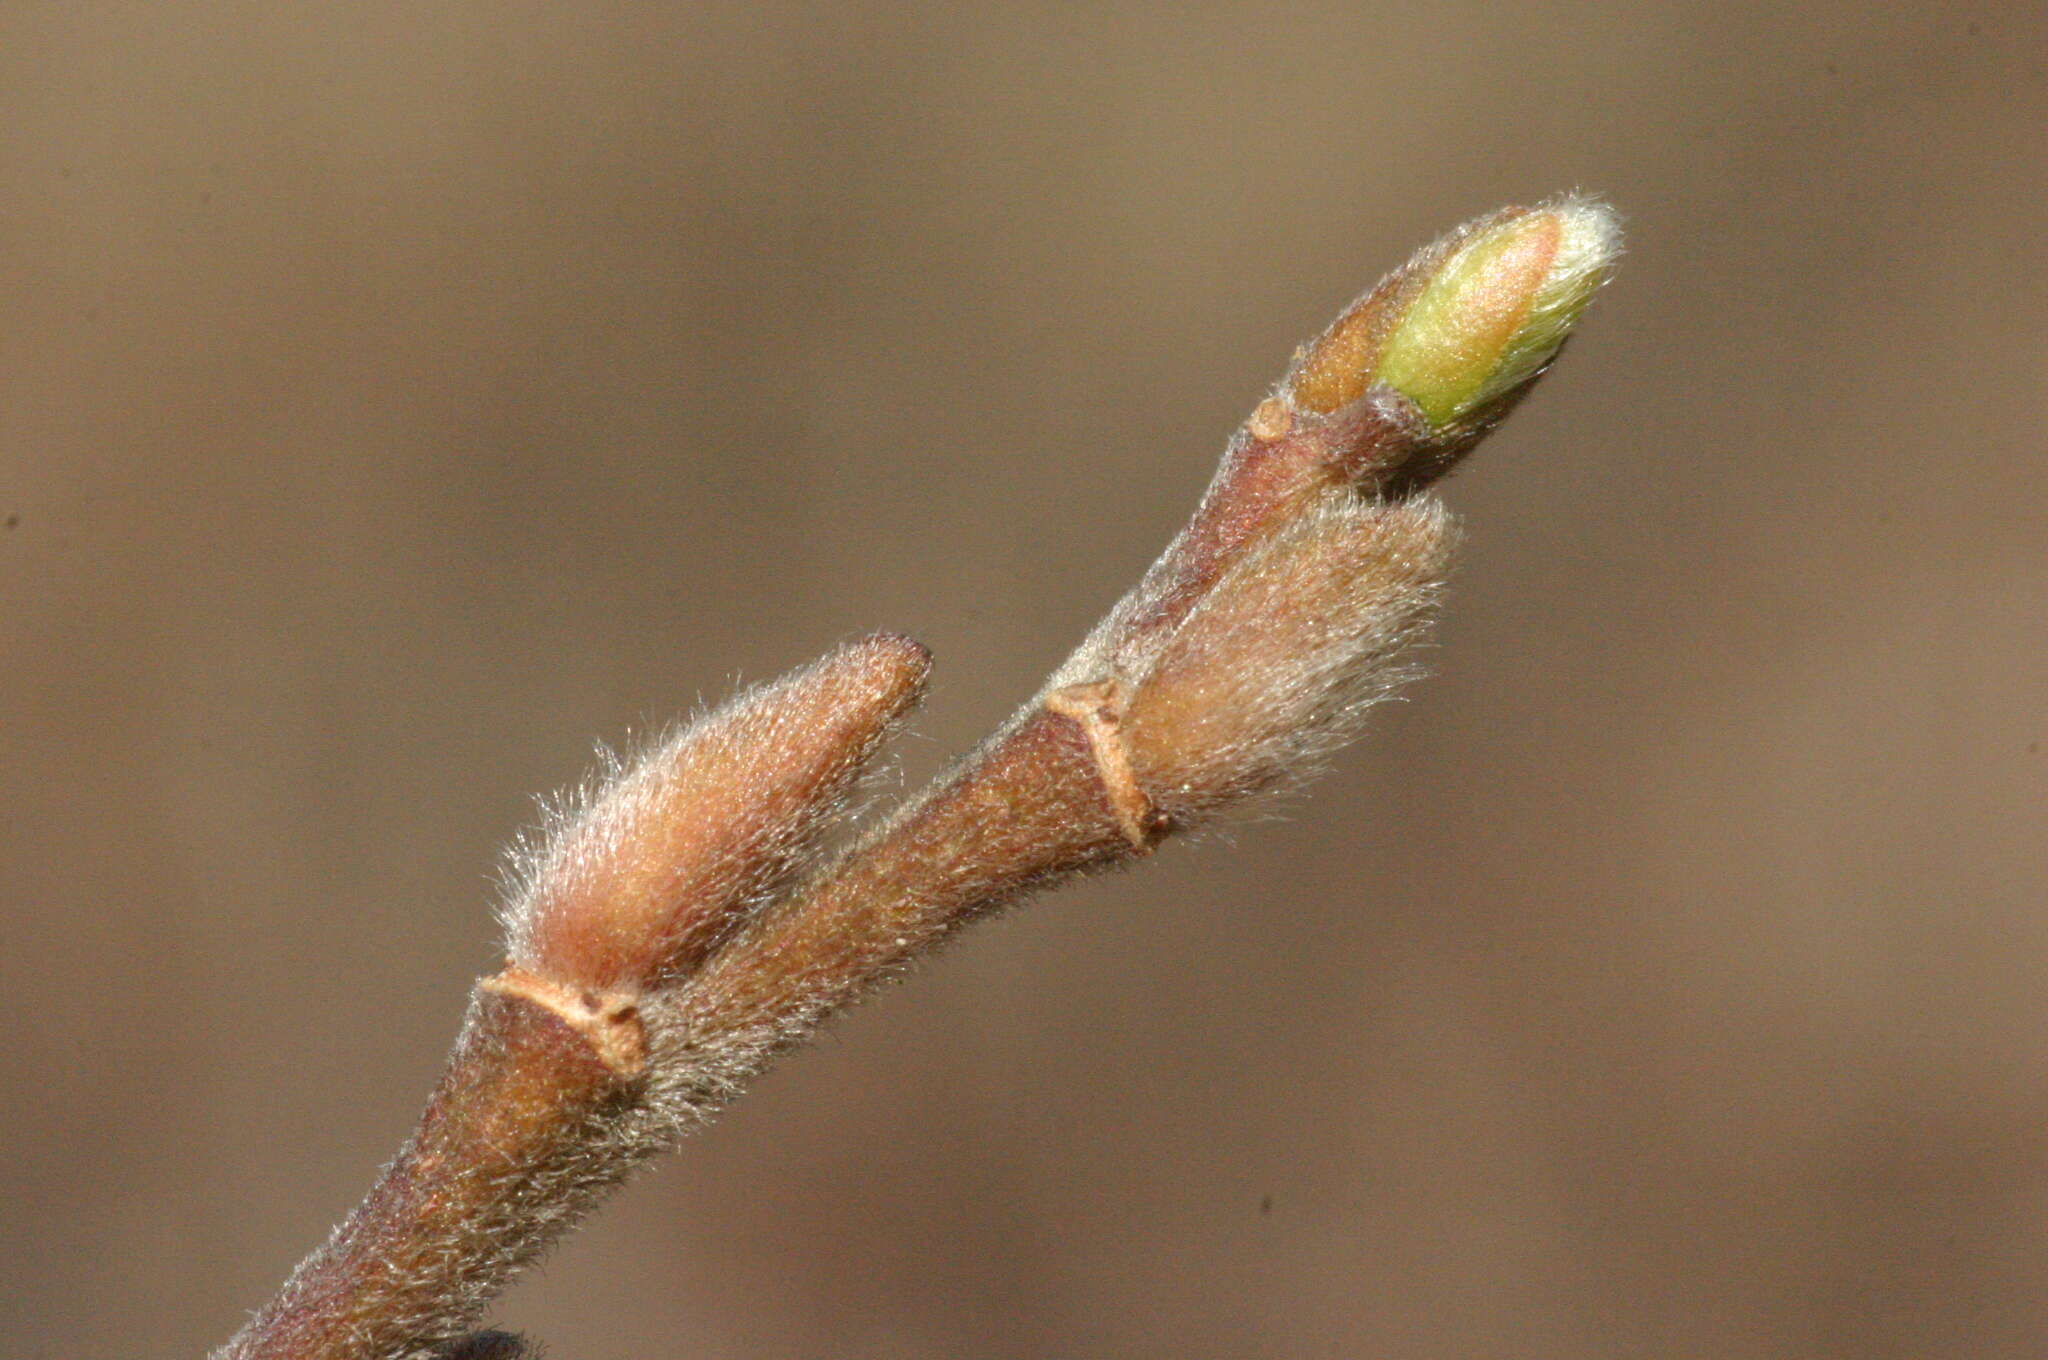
(651, 874)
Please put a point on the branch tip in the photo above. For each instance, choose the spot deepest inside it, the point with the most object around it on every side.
(1465, 327)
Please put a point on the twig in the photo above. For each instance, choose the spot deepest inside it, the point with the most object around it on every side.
(674, 930)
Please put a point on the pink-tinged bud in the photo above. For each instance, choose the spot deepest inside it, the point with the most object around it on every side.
(1471, 320)
(1285, 654)
(658, 863)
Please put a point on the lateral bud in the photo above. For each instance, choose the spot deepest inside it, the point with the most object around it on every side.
(662, 860)
(1282, 658)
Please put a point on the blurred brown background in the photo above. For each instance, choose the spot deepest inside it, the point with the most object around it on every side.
(398, 397)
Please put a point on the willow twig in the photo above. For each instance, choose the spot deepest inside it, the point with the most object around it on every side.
(676, 926)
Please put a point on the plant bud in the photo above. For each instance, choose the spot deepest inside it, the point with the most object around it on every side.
(660, 861)
(1470, 321)
(1283, 657)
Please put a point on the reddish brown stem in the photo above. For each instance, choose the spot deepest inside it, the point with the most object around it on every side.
(1026, 808)
(676, 932)
(505, 1133)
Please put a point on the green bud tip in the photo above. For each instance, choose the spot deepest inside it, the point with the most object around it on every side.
(1470, 319)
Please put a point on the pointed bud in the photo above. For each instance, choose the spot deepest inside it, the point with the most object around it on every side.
(1278, 662)
(1497, 311)
(658, 864)
(1467, 324)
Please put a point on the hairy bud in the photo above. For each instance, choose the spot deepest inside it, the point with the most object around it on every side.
(1460, 333)
(651, 870)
